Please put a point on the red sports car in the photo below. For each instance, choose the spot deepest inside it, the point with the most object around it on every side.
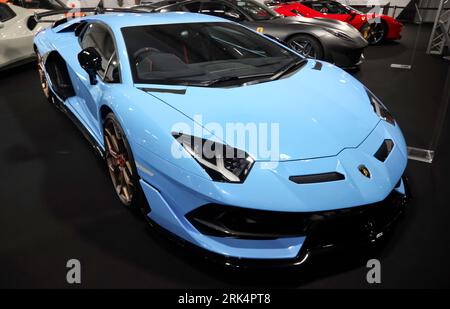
(374, 27)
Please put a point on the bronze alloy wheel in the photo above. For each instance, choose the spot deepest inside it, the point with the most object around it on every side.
(42, 78)
(119, 161)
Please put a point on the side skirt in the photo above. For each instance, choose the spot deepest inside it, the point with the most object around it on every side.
(97, 147)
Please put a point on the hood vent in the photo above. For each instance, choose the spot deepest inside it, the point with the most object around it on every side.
(317, 66)
(316, 178)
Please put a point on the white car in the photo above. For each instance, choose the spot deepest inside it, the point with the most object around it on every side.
(17, 29)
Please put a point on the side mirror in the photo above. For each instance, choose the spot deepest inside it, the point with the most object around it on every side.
(91, 61)
(353, 12)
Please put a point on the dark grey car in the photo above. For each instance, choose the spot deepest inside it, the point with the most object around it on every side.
(325, 39)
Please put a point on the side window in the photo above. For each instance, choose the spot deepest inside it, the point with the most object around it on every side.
(319, 7)
(336, 8)
(220, 9)
(6, 13)
(98, 37)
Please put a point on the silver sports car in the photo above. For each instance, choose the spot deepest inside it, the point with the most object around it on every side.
(319, 38)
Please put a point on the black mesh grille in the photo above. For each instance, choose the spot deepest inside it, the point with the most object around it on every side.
(321, 228)
(365, 223)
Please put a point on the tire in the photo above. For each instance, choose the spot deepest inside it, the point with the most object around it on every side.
(374, 32)
(307, 46)
(121, 166)
(43, 79)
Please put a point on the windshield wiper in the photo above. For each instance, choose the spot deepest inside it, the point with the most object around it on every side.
(289, 68)
(231, 78)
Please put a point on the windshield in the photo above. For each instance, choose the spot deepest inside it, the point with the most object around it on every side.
(256, 10)
(198, 53)
(350, 8)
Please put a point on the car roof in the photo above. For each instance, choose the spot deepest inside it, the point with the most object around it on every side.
(121, 20)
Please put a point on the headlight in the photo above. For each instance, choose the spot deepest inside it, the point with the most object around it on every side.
(339, 34)
(221, 162)
(380, 109)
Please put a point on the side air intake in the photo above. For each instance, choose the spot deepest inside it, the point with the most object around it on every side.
(385, 149)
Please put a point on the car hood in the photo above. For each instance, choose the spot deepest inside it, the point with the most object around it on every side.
(318, 22)
(318, 113)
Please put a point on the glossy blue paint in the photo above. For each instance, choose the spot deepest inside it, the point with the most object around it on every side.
(326, 124)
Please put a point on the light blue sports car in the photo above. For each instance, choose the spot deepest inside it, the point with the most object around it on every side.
(225, 138)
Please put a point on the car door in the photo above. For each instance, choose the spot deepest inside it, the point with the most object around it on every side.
(296, 8)
(89, 96)
(338, 11)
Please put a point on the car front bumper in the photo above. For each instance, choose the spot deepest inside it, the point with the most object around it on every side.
(349, 228)
(343, 53)
(347, 59)
(394, 31)
(173, 193)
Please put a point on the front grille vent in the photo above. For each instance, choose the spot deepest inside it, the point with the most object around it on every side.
(316, 178)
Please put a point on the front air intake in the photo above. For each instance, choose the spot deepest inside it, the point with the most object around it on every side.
(322, 228)
(238, 222)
